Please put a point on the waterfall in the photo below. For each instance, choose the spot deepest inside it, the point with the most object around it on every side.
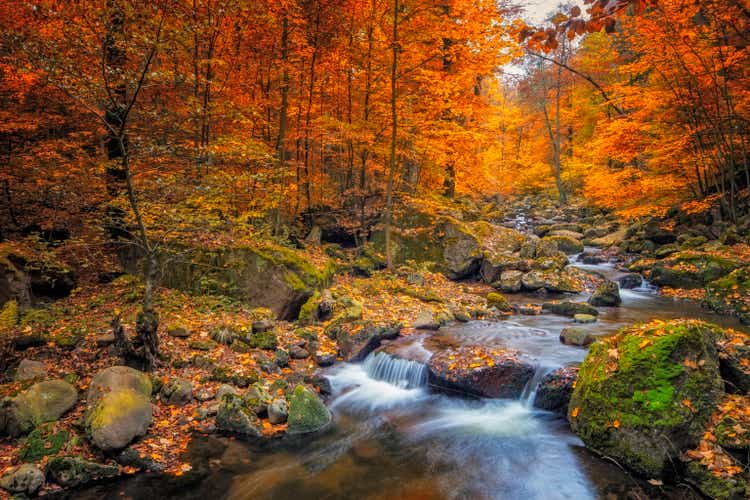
(529, 391)
(402, 373)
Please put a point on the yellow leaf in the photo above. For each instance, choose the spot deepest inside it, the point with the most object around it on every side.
(575, 411)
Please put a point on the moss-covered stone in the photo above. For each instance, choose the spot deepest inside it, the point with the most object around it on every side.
(75, 471)
(715, 486)
(117, 418)
(229, 376)
(569, 308)
(42, 402)
(8, 315)
(235, 417)
(202, 345)
(565, 244)
(646, 394)
(691, 269)
(263, 340)
(731, 294)
(499, 302)
(307, 413)
(43, 441)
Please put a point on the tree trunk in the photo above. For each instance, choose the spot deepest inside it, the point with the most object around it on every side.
(394, 130)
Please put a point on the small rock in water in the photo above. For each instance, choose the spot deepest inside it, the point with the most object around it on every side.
(555, 389)
(584, 318)
(630, 281)
(530, 309)
(576, 336)
(607, 295)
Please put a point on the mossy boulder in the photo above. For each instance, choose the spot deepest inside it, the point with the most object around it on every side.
(267, 275)
(569, 308)
(29, 369)
(552, 281)
(307, 412)
(606, 295)
(45, 440)
(691, 269)
(25, 479)
(72, 472)
(359, 338)
(119, 407)
(731, 294)
(717, 486)
(645, 395)
(234, 416)
(499, 302)
(42, 402)
(266, 340)
(565, 244)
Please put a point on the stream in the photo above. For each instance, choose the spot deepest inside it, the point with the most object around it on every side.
(395, 438)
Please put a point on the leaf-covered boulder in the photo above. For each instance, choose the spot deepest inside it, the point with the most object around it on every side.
(731, 294)
(119, 407)
(42, 402)
(565, 243)
(555, 389)
(480, 371)
(691, 269)
(645, 395)
(307, 412)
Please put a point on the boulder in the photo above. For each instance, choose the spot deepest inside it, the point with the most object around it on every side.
(177, 392)
(324, 359)
(42, 402)
(575, 235)
(499, 302)
(555, 389)
(358, 339)
(266, 275)
(25, 479)
(729, 294)
(645, 395)
(592, 258)
(235, 417)
(426, 321)
(576, 336)
(297, 352)
(584, 318)
(307, 413)
(462, 251)
(71, 472)
(178, 331)
(278, 411)
(691, 269)
(630, 281)
(569, 308)
(28, 370)
(119, 407)
(609, 240)
(734, 354)
(552, 281)
(510, 281)
(606, 295)
(480, 371)
(565, 244)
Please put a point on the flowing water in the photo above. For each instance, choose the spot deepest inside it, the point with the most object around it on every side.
(394, 438)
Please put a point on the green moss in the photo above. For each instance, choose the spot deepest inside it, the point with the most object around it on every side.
(499, 301)
(113, 406)
(307, 312)
(639, 379)
(728, 295)
(43, 441)
(202, 345)
(263, 340)
(8, 315)
(714, 486)
(307, 413)
(232, 376)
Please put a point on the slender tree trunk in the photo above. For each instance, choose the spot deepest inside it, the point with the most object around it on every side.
(281, 140)
(394, 131)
